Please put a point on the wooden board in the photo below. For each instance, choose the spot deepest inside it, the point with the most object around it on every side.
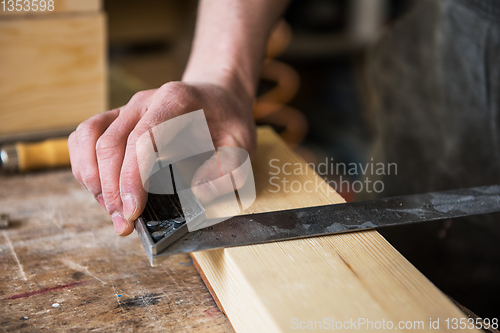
(52, 72)
(62, 268)
(60, 6)
(279, 287)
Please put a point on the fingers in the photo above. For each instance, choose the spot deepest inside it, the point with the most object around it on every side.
(110, 150)
(81, 144)
(132, 192)
(110, 153)
(140, 157)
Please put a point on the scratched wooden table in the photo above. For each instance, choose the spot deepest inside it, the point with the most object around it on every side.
(63, 268)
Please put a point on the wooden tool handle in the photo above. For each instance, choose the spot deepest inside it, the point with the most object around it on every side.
(46, 154)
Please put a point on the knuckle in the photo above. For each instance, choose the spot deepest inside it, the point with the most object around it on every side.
(81, 126)
(138, 135)
(133, 109)
(106, 143)
(177, 98)
(91, 180)
(140, 95)
(89, 125)
(177, 89)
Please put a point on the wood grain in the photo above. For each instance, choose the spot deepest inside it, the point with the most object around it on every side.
(262, 288)
(52, 72)
(61, 249)
(272, 155)
(60, 6)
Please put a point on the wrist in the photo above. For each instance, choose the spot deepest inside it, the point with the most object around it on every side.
(230, 78)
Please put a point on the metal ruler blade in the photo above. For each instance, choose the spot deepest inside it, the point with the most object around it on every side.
(339, 218)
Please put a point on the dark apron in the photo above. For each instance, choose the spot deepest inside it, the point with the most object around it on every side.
(436, 74)
(437, 78)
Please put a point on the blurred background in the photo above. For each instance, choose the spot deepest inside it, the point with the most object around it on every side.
(314, 91)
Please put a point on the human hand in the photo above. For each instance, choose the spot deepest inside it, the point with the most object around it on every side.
(103, 149)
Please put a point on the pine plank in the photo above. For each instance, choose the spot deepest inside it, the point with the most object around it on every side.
(262, 288)
(52, 72)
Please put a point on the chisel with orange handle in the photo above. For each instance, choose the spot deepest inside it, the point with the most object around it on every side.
(24, 157)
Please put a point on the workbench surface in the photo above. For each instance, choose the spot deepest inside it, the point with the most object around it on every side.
(62, 267)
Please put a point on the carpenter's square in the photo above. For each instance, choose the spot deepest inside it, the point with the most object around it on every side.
(304, 222)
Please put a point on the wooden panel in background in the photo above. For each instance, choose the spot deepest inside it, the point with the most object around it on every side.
(273, 287)
(52, 72)
(60, 6)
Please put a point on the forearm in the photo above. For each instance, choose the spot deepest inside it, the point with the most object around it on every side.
(230, 42)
